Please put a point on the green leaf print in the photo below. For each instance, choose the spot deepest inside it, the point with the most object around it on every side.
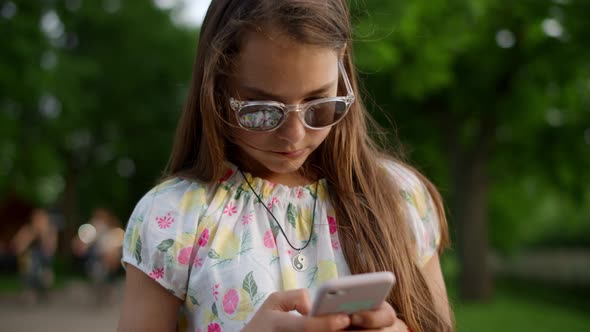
(137, 252)
(407, 196)
(274, 229)
(249, 285)
(238, 193)
(314, 240)
(169, 261)
(214, 310)
(311, 190)
(246, 241)
(213, 254)
(312, 276)
(292, 215)
(258, 298)
(194, 300)
(165, 245)
(273, 260)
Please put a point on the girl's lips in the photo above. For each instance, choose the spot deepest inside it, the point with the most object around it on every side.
(290, 154)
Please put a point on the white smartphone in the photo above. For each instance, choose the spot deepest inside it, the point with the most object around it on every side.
(353, 293)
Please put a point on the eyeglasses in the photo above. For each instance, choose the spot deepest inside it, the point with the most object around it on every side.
(317, 114)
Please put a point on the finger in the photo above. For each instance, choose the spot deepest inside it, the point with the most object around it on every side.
(296, 299)
(384, 316)
(335, 322)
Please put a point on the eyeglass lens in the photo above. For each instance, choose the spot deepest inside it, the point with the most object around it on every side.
(267, 117)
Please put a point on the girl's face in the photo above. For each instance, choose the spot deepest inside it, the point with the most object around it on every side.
(274, 68)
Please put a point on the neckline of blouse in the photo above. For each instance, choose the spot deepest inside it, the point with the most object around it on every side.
(232, 176)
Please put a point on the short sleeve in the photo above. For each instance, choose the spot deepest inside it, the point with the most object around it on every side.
(421, 212)
(161, 231)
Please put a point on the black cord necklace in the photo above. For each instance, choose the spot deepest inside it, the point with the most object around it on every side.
(299, 261)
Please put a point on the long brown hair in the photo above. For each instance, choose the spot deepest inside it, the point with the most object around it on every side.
(370, 221)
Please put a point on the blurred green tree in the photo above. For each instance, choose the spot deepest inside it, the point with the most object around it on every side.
(90, 92)
(492, 96)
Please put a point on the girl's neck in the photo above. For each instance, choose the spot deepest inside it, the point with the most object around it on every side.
(293, 179)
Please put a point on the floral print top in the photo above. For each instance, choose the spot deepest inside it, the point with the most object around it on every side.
(239, 255)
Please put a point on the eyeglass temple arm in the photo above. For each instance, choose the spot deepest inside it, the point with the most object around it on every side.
(350, 93)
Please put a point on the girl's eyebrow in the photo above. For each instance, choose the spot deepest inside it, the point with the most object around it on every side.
(268, 95)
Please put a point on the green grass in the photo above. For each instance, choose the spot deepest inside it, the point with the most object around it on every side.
(525, 306)
(520, 306)
(510, 313)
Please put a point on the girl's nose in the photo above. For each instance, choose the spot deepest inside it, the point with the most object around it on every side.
(293, 130)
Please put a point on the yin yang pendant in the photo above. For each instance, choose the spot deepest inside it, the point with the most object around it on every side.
(299, 262)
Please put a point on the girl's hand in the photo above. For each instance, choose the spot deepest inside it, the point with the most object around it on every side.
(274, 315)
(382, 319)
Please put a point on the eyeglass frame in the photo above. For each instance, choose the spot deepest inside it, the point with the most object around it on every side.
(300, 109)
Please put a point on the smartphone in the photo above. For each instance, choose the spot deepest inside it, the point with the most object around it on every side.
(353, 293)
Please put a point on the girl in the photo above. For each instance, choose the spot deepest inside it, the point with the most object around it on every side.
(275, 187)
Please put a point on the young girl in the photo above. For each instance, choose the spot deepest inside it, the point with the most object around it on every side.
(275, 187)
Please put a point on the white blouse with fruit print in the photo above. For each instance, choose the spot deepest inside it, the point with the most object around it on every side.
(240, 255)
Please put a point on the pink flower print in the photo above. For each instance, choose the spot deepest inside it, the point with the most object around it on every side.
(247, 219)
(185, 255)
(215, 291)
(214, 327)
(204, 238)
(198, 261)
(299, 193)
(335, 244)
(165, 221)
(157, 273)
(289, 252)
(230, 209)
(269, 239)
(272, 203)
(332, 223)
(231, 299)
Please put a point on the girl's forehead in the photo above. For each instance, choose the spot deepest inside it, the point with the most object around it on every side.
(284, 66)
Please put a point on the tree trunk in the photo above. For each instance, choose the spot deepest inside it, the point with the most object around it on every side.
(471, 189)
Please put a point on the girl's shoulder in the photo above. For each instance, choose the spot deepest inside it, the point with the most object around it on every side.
(404, 175)
(421, 210)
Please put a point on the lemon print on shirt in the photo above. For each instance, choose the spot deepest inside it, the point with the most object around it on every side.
(182, 240)
(321, 192)
(236, 304)
(289, 279)
(226, 245)
(192, 199)
(326, 271)
(219, 198)
(134, 237)
(303, 226)
(419, 199)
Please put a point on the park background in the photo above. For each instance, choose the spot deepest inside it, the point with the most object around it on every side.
(490, 98)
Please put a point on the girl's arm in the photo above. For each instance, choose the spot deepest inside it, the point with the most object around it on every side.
(147, 306)
(434, 278)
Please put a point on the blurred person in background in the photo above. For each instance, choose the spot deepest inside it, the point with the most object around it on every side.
(98, 244)
(35, 244)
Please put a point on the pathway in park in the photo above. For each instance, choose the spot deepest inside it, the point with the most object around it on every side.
(71, 308)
